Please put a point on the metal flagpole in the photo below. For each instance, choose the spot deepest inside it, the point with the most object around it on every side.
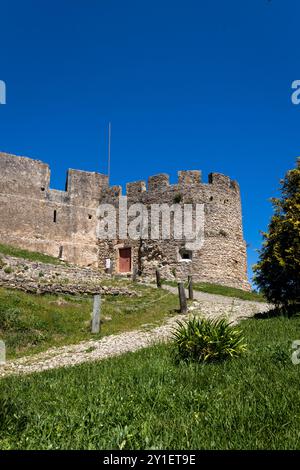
(109, 140)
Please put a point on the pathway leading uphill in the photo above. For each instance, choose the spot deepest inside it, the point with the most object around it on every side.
(208, 305)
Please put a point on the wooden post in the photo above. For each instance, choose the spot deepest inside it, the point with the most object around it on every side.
(191, 291)
(96, 314)
(134, 273)
(2, 353)
(158, 278)
(182, 298)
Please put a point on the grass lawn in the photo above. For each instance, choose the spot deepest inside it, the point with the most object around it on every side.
(31, 323)
(222, 290)
(29, 255)
(144, 400)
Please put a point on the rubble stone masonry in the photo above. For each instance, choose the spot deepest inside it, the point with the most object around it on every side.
(63, 223)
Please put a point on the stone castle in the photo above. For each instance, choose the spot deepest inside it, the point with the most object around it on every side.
(63, 223)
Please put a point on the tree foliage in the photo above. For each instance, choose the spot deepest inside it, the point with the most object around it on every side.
(277, 273)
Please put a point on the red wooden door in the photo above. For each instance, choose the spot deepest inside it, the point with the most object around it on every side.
(124, 260)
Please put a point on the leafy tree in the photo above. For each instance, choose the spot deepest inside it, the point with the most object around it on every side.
(277, 273)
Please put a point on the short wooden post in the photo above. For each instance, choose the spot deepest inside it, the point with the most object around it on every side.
(158, 278)
(134, 273)
(2, 353)
(182, 298)
(96, 314)
(108, 266)
(191, 291)
(61, 250)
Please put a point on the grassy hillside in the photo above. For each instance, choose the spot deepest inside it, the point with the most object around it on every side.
(31, 323)
(222, 290)
(144, 400)
(29, 255)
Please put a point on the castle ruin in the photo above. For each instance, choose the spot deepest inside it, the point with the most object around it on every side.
(63, 223)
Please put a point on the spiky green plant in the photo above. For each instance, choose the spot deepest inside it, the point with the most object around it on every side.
(206, 340)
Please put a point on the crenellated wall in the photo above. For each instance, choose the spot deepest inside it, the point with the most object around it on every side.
(63, 223)
(222, 258)
(38, 218)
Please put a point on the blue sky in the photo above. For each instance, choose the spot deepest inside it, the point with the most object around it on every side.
(186, 84)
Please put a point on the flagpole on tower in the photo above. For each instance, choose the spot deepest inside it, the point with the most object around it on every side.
(109, 143)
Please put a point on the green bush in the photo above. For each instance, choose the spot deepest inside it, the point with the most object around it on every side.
(10, 319)
(277, 271)
(177, 198)
(8, 270)
(205, 340)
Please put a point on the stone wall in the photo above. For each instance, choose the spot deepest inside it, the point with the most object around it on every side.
(37, 218)
(41, 278)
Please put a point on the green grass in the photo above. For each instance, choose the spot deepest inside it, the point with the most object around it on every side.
(144, 400)
(222, 290)
(30, 323)
(29, 255)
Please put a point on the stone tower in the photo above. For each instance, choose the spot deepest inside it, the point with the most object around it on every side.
(221, 259)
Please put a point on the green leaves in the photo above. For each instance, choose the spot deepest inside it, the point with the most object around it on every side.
(277, 273)
(205, 340)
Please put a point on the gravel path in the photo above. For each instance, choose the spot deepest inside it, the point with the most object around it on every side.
(218, 305)
(211, 306)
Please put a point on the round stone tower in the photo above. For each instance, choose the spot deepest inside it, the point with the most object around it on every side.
(221, 258)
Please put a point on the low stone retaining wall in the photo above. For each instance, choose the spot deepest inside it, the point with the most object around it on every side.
(42, 278)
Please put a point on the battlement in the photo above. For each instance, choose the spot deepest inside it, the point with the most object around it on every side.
(158, 182)
(84, 185)
(136, 188)
(29, 177)
(189, 177)
(219, 179)
(186, 178)
(32, 178)
(23, 175)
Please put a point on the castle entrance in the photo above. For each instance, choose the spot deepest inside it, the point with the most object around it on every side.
(124, 260)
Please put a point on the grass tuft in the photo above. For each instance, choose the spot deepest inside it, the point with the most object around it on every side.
(207, 340)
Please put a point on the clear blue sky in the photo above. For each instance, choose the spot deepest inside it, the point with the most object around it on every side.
(186, 84)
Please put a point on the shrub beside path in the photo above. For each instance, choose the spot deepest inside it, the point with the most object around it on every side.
(208, 305)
